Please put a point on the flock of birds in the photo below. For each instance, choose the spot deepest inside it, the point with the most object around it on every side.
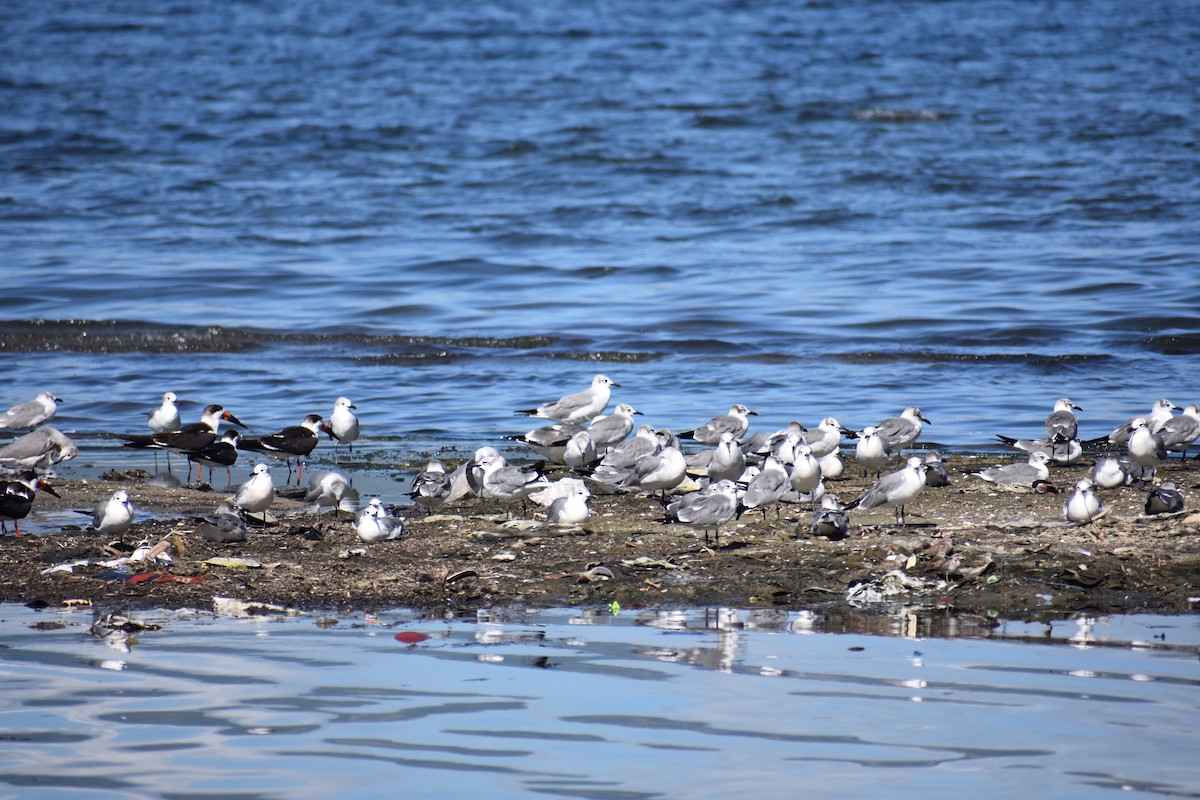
(735, 471)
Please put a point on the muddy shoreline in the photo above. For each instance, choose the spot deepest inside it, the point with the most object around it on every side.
(967, 549)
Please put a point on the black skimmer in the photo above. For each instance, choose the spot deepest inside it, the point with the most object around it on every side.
(191, 438)
(17, 495)
(294, 441)
(221, 453)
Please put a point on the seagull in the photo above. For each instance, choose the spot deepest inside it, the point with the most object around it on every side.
(727, 460)
(579, 407)
(327, 489)
(1109, 473)
(899, 432)
(1178, 433)
(38, 449)
(765, 488)
(613, 429)
(460, 483)
(1145, 446)
(166, 416)
(1022, 473)
(191, 437)
(1083, 505)
(255, 495)
(710, 432)
(113, 517)
(496, 478)
(17, 496)
(1062, 451)
(580, 452)
(627, 453)
(706, 510)
(294, 441)
(806, 471)
(871, 450)
(570, 509)
(376, 524)
(1165, 499)
(1160, 414)
(936, 474)
(832, 466)
(1061, 425)
(28, 415)
(894, 489)
(431, 488)
(343, 425)
(825, 438)
(830, 520)
(549, 441)
(226, 525)
(221, 453)
(662, 471)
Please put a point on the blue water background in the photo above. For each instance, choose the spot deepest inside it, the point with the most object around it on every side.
(450, 211)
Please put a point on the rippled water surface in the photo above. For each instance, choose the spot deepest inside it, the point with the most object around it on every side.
(447, 211)
(717, 703)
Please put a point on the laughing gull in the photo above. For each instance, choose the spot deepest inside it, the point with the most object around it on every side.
(1145, 447)
(1109, 473)
(765, 489)
(609, 431)
(936, 474)
(1061, 425)
(1083, 505)
(706, 510)
(166, 416)
(1062, 451)
(710, 432)
(579, 407)
(28, 415)
(493, 477)
(224, 526)
(1022, 473)
(256, 494)
(112, 517)
(38, 449)
(1165, 499)
(549, 441)
(431, 488)
(871, 450)
(580, 452)
(894, 489)
(343, 425)
(374, 523)
(571, 508)
(1160, 414)
(805, 474)
(727, 461)
(830, 520)
(825, 438)
(328, 490)
(1178, 433)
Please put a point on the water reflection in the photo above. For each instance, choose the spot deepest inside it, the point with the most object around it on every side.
(588, 703)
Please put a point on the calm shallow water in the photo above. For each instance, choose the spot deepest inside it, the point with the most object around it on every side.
(715, 703)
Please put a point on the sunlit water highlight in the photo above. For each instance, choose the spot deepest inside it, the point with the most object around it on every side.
(705, 704)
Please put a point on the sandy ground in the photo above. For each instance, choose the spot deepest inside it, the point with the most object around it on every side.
(966, 549)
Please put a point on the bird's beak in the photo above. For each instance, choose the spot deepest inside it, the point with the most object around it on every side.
(925, 419)
(232, 419)
(45, 487)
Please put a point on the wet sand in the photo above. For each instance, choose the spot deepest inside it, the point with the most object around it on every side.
(969, 548)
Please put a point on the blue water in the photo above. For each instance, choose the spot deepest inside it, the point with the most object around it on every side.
(450, 211)
(712, 704)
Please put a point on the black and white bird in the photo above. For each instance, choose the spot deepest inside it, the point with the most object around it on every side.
(192, 437)
(221, 453)
(294, 441)
(936, 474)
(16, 498)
